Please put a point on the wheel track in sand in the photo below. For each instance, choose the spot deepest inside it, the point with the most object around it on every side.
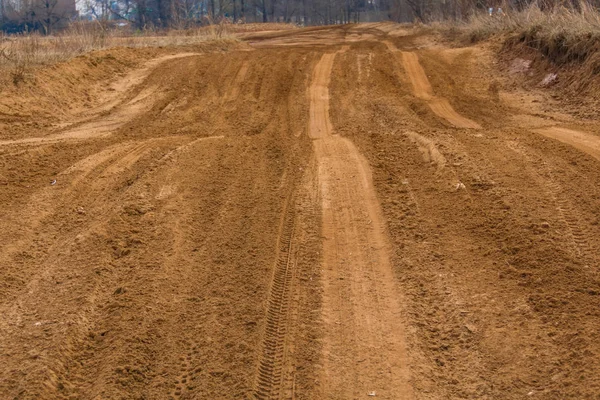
(577, 232)
(50, 199)
(422, 89)
(97, 125)
(86, 177)
(234, 89)
(42, 203)
(582, 141)
(85, 170)
(270, 374)
(571, 217)
(63, 370)
(364, 344)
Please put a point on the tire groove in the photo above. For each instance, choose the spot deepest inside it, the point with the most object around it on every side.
(576, 231)
(269, 373)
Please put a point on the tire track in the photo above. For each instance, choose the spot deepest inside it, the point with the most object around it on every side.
(422, 89)
(22, 302)
(184, 381)
(320, 125)
(576, 230)
(45, 202)
(97, 125)
(270, 373)
(364, 348)
(75, 374)
(582, 141)
(234, 90)
(97, 128)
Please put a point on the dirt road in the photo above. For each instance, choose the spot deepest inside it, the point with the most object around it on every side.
(324, 213)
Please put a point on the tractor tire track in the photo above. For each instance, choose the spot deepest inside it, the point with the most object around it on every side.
(270, 372)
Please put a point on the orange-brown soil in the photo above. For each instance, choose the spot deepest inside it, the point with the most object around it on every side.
(323, 213)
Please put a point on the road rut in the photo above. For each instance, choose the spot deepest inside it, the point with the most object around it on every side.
(365, 350)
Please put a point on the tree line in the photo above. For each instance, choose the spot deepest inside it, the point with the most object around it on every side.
(143, 14)
(48, 15)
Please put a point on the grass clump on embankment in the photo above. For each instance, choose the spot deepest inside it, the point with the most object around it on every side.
(562, 35)
(560, 39)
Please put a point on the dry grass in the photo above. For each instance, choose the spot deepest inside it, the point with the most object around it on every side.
(560, 22)
(19, 54)
(561, 39)
(562, 36)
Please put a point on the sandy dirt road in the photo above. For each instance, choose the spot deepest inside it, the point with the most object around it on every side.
(331, 213)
